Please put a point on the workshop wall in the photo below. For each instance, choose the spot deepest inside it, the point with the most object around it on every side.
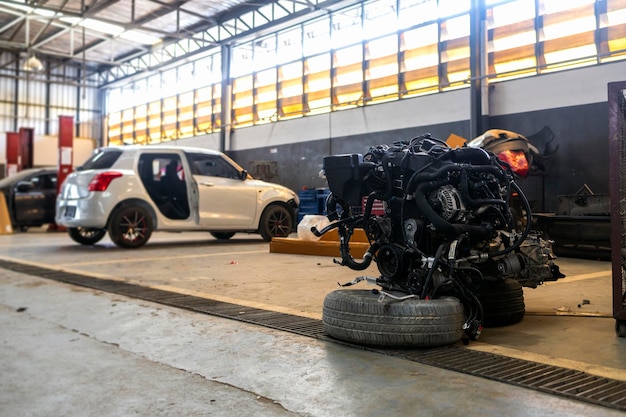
(565, 112)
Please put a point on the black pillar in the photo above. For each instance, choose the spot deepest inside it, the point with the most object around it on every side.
(478, 122)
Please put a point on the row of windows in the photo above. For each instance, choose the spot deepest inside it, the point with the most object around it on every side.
(376, 52)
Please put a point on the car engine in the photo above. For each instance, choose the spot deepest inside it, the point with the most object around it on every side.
(446, 225)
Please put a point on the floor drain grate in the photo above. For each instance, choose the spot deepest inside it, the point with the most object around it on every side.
(541, 377)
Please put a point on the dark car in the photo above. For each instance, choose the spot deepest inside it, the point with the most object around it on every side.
(31, 196)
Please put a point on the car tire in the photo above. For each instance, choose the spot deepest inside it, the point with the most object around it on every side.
(502, 301)
(357, 316)
(276, 221)
(130, 226)
(86, 235)
(222, 235)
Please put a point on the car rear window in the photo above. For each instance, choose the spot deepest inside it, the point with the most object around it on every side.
(101, 160)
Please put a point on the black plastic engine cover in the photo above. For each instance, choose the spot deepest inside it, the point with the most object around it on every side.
(344, 174)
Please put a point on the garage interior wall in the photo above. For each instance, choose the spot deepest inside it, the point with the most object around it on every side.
(563, 95)
(572, 105)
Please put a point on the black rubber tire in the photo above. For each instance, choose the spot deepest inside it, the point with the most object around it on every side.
(85, 235)
(222, 235)
(620, 328)
(502, 301)
(130, 226)
(356, 316)
(276, 221)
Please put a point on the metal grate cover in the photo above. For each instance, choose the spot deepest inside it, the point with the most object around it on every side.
(526, 374)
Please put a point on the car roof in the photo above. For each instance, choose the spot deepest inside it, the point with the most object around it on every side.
(20, 175)
(159, 148)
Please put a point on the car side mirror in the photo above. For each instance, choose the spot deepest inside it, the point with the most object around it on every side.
(24, 186)
(243, 175)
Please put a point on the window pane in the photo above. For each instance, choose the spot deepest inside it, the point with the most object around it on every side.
(266, 94)
(154, 87)
(290, 78)
(241, 60)
(347, 56)
(265, 53)
(425, 35)
(317, 84)
(316, 37)
(554, 6)
(414, 12)
(242, 100)
(509, 13)
(140, 92)
(346, 28)
(289, 71)
(380, 18)
(185, 78)
(613, 23)
(452, 7)
(421, 48)
(566, 28)
(204, 109)
(456, 28)
(266, 77)
(207, 71)
(382, 47)
(154, 121)
(317, 63)
(289, 47)
(115, 100)
(348, 64)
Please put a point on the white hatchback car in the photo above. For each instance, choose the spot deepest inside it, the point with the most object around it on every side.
(132, 191)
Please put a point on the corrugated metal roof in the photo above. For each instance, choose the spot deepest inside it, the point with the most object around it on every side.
(100, 33)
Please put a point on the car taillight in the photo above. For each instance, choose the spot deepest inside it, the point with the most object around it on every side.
(101, 181)
(517, 161)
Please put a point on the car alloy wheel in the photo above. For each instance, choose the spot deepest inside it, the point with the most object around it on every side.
(275, 222)
(130, 226)
(86, 235)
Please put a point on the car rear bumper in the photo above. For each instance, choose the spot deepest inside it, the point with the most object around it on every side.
(81, 213)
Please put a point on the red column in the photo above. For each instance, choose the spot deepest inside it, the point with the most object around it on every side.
(13, 153)
(66, 156)
(26, 147)
(66, 148)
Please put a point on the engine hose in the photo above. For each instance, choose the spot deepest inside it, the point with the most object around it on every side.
(347, 259)
(331, 208)
(482, 231)
(370, 203)
(526, 231)
(445, 170)
(464, 189)
(429, 277)
(384, 161)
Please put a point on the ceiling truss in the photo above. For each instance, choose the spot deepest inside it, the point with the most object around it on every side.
(111, 40)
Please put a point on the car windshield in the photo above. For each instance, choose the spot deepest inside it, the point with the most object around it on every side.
(101, 159)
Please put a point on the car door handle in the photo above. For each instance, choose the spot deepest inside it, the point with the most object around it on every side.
(207, 184)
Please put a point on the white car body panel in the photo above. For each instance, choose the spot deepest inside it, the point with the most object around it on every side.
(226, 202)
(213, 203)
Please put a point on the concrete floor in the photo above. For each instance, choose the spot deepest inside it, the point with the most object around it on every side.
(77, 352)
